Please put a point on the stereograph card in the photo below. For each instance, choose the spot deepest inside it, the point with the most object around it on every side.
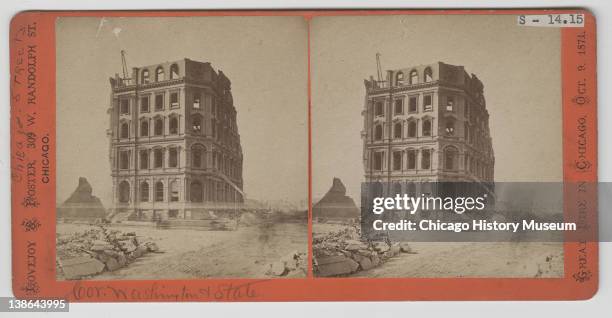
(304, 155)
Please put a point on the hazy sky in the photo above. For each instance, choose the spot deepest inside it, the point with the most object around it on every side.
(266, 60)
(264, 57)
(519, 66)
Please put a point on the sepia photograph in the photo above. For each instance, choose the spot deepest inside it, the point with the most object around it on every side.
(432, 105)
(173, 161)
(174, 157)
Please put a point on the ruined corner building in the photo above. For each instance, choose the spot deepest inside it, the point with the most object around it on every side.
(175, 150)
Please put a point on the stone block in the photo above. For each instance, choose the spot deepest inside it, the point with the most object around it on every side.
(405, 248)
(277, 269)
(356, 246)
(112, 264)
(152, 247)
(139, 251)
(375, 260)
(366, 263)
(335, 266)
(394, 248)
(381, 247)
(77, 267)
(127, 246)
(121, 259)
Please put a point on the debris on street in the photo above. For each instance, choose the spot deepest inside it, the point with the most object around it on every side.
(96, 250)
(342, 252)
(292, 265)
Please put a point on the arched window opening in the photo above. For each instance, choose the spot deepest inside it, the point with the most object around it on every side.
(196, 100)
(450, 154)
(174, 191)
(378, 132)
(158, 158)
(144, 104)
(196, 157)
(472, 165)
(173, 125)
(397, 160)
(427, 127)
(449, 127)
(378, 160)
(124, 106)
(399, 107)
(174, 71)
(399, 78)
(412, 104)
(412, 129)
(196, 191)
(124, 192)
(427, 75)
(426, 188)
(450, 103)
(158, 127)
(411, 189)
(144, 191)
(144, 159)
(125, 130)
(159, 102)
(426, 159)
(213, 127)
(378, 109)
(397, 188)
(196, 124)
(427, 103)
(173, 157)
(159, 74)
(145, 77)
(144, 128)
(174, 99)
(397, 130)
(124, 160)
(159, 191)
(473, 132)
(414, 77)
(377, 189)
(411, 159)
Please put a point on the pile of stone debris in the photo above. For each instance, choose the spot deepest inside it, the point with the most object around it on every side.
(96, 250)
(343, 252)
(293, 265)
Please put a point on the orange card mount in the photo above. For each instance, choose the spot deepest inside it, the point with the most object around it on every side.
(178, 155)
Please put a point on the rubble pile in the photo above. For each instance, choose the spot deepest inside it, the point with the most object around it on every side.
(343, 252)
(292, 265)
(99, 249)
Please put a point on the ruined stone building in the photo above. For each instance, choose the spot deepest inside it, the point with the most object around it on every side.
(174, 145)
(424, 125)
(335, 205)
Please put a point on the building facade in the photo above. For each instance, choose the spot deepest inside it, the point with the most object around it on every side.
(174, 145)
(426, 125)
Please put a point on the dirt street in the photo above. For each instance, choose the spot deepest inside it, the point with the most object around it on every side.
(468, 259)
(474, 259)
(245, 252)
